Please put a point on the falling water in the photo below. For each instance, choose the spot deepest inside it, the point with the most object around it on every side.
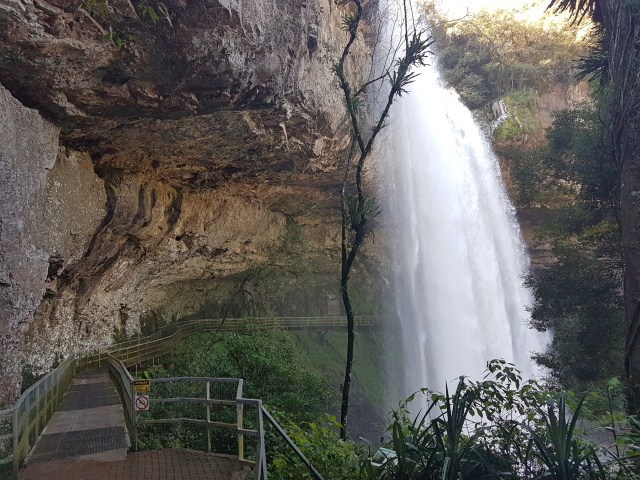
(458, 254)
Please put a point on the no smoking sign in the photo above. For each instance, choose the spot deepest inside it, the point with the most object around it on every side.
(142, 402)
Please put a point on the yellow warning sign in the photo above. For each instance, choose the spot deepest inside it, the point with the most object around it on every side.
(141, 385)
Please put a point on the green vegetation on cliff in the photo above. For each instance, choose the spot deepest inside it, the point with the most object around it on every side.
(502, 56)
(487, 55)
(579, 296)
(523, 118)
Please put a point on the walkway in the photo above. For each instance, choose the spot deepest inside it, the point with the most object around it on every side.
(86, 439)
(147, 465)
(88, 425)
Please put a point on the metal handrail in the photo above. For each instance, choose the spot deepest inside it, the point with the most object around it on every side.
(167, 337)
(32, 411)
(189, 327)
(124, 380)
(124, 386)
(261, 459)
(34, 408)
(295, 448)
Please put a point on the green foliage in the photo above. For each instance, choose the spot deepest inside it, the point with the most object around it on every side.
(282, 369)
(579, 296)
(362, 213)
(266, 360)
(564, 457)
(523, 118)
(321, 445)
(148, 10)
(630, 443)
(575, 162)
(115, 38)
(495, 428)
(500, 427)
(579, 9)
(487, 55)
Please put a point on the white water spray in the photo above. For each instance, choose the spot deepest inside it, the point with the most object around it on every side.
(458, 254)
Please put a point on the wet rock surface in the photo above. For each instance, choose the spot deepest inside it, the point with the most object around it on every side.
(162, 160)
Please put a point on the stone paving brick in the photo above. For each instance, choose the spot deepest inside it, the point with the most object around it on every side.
(146, 465)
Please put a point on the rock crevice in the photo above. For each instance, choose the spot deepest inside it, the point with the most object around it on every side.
(163, 159)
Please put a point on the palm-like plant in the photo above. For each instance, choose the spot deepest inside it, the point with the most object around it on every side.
(417, 455)
(464, 456)
(431, 449)
(578, 8)
(563, 456)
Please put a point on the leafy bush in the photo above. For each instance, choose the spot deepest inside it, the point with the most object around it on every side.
(265, 360)
(322, 446)
(579, 296)
(496, 428)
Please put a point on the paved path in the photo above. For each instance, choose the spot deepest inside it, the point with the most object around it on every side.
(147, 465)
(89, 423)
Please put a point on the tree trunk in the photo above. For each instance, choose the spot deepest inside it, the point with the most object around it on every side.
(346, 386)
(630, 222)
(622, 27)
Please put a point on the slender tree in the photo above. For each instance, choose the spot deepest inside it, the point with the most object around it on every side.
(359, 210)
(617, 62)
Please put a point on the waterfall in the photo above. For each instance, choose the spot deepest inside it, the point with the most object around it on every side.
(457, 251)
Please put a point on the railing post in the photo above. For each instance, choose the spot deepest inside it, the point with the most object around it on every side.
(134, 427)
(261, 455)
(240, 412)
(16, 455)
(260, 447)
(208, 420)
(37, 420)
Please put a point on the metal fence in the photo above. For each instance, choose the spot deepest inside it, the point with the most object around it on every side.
(166, 338)
(21, 425)
(124, 385)
(200, 413)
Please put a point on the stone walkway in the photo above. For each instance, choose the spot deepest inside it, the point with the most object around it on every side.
(147, 465)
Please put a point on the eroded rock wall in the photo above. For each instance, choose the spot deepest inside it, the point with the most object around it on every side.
(50, 206)
(169, 163)
(28, 148)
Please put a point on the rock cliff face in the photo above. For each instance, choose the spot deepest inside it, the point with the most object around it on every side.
(173, 153)
(540, 116)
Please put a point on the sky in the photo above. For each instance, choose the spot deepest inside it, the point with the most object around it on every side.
(459, 7)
